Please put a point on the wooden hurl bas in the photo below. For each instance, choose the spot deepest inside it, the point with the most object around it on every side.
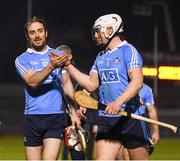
(84, 100)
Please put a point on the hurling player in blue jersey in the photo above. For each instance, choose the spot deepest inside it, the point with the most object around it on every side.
(146, 99)
(43, 77)
(117, 73)
(75, 155)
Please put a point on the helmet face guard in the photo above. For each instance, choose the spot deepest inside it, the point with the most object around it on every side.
(96, 35)
(76, 139)
(71, 139)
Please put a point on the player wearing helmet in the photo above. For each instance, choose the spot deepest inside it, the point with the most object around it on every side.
(112, 21)
(146, 99)
(117, 73)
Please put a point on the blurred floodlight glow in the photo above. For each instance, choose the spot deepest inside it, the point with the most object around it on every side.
(169, 72)
(152, 72)
(163, 72)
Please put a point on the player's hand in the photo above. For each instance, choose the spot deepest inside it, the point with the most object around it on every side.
(155, 137)
(57, 60)
(68, 62)
(113, 108)
(75, 119)
(82, 112)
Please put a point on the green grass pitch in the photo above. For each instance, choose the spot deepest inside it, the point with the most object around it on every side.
(11, 148)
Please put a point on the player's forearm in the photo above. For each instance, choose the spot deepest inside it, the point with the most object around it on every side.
(82, 79)
(72, 111)
(132, 89)
(135, 84)
(37, 78)
(155, 128)
(153, 115)
(68, 89)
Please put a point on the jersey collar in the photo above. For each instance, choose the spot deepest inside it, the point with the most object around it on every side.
(121, 44)
(32, 51)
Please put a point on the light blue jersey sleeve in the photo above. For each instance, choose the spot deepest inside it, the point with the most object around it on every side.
(25, 62)
(146, 95)
(22, 65)
(94, 67)
(132, 57)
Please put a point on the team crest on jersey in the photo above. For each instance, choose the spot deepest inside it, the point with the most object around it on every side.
(116, 60)
(109, 75)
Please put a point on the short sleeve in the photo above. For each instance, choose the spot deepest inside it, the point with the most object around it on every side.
(94, 67)
(133, 58)
(150, 98)
(146, 95)
(22, 65)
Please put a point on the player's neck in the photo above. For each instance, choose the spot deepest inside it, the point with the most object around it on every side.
(40, 49)
(114, 43)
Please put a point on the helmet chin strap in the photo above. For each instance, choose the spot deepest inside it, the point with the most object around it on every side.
(114, 34)
(103, 46)
(109, 40)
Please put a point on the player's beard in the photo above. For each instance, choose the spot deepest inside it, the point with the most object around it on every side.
(38, 47)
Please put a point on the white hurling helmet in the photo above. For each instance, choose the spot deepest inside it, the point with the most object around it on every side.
(109, 20)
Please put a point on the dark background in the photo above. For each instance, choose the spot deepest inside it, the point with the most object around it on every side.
(70, 22)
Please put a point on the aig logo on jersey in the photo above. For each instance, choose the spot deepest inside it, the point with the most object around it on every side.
(109, 75)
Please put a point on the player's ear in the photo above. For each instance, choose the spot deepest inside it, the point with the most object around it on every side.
(109, 31)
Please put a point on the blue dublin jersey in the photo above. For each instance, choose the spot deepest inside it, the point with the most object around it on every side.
(146, 95)
(112, 68)
(47, 98)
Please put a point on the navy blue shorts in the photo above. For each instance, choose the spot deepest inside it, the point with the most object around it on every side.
(39, 127)
(130, 132)
(92, 117)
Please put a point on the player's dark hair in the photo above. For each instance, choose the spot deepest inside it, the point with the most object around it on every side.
(121, 36)
(34, 19)
(66, 49)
